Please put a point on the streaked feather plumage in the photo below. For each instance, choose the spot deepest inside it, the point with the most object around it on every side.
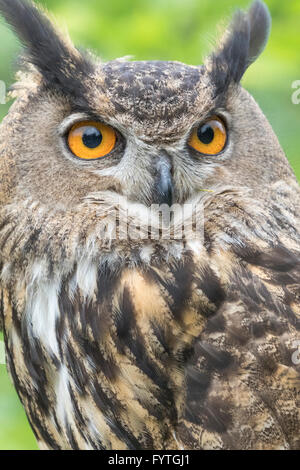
(160, 344)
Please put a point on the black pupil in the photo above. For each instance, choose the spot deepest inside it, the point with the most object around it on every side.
(206, 134)
(92, 137)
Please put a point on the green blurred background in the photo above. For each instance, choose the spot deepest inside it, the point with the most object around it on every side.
(182, 30)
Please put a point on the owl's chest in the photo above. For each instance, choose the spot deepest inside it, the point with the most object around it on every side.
(105, 350)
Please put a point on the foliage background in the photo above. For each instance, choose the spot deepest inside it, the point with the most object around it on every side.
(182, 30)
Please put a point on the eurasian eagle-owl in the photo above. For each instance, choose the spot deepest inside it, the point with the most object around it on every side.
(121, 342)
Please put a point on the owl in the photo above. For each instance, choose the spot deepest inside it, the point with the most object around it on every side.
(117, 336)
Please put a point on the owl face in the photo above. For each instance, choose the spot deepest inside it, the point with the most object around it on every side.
(143, 115)
(156, 112)
(148, 132)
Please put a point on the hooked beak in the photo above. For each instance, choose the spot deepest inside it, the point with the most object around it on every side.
(164, 184)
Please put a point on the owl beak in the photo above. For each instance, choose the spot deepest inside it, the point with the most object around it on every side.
(164, 182)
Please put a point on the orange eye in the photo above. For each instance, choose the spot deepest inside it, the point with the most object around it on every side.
(91, 140)
(209, 138)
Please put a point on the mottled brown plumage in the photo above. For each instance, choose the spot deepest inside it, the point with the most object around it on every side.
(148, 344)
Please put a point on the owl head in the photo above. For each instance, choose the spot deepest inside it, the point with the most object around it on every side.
(83, 133)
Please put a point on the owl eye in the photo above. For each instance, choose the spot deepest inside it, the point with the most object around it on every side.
(90, 140)
(210, 137)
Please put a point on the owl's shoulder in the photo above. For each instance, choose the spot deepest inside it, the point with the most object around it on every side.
(242, 377)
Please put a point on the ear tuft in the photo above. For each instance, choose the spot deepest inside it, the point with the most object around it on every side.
(260, 27)
(58, 61)
(242, 43)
